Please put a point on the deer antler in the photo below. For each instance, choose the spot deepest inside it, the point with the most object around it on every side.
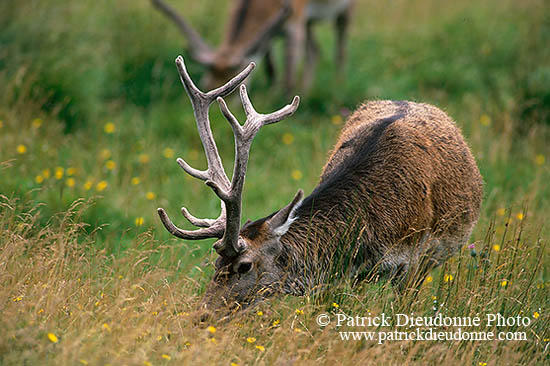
(227, 225)
(200, 50)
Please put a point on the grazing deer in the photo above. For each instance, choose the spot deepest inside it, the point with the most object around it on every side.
(250, 32)
(400, 193)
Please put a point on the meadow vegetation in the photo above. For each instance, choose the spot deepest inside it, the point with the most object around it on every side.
(93, 115)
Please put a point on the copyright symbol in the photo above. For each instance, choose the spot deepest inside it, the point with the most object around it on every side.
(323, 320)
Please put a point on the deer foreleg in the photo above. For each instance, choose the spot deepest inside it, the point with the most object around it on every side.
(270, 67)
(312, 56)
(295, 38)
(341, 27)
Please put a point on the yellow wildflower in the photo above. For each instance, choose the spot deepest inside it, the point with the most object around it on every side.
(46, 173)
(234, 364)
(496, 248)
(71, 171)
(101, 186)
(109, 127)
(211, 329)
(139, 221)
(135, 181)
(539, 159)
(70, 182)
(504, 283)
(17, 299)
(296, 174)
(21, 149)
(448, 278)
(105, 154)
(482, 363)
(88, 185)
(276, 322)
(110, 165)
(335, 305)
(429, 279)
(143, 158)
(251, 339)
(168, 153)
(84, 362)
(485, 120)
(288, 138)
(336, 119)
(53, 338)
(520, 216)
(261, 348)
(59, 172)
(260, 313)
(147, 363)
(106, 327)
(299, 312)
(39, 179)
(150, 196)
(536, 315)
(166, 357)
(36, 123)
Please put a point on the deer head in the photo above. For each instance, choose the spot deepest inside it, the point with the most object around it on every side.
(248, 35)
(246, 270)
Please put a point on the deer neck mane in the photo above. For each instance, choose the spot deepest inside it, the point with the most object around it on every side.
(327, 224)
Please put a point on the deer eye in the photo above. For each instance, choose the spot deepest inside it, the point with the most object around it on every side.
(244, 267)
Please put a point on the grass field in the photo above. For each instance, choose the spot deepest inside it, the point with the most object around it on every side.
(92, 117)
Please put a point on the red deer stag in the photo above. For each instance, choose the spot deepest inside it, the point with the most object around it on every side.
(251, 29)
(400, 193)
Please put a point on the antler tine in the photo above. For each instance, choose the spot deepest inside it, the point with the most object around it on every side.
(255, 120)
(199, 174)
(195, 220)
(216, 230)
(228, 87)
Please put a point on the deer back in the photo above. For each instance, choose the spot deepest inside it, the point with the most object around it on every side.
(398, 169)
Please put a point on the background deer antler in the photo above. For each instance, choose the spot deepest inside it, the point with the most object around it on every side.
(227, 225)
(200, 50)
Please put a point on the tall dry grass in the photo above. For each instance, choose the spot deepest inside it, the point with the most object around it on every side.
(65, 302)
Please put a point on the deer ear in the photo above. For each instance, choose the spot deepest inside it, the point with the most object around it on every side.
(280, 222)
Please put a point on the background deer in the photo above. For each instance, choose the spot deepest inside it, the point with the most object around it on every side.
(399, 194)
(251, 28)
